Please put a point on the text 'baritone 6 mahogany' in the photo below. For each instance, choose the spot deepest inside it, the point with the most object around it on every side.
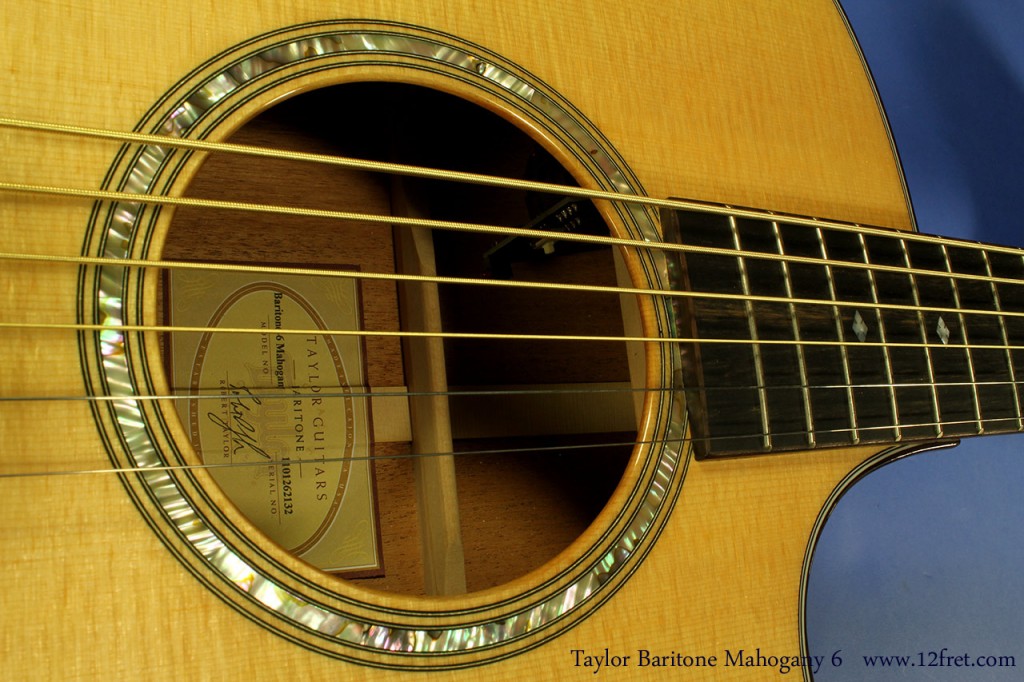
(537, 424)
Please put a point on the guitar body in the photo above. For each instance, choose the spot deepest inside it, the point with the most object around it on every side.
(742, 103)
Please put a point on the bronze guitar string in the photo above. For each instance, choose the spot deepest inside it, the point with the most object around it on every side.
(731, 212)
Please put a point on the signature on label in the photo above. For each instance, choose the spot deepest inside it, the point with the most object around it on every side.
(242, 430)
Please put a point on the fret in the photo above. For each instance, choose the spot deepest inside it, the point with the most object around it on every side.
(868, 377)
(929, 372)
(1005, 338)
(805, 387)
(952, 375)
(908, 366)
(786, 407)
(762, 384)
(886, 352)
(967, 353)
(826, 368)
(995, 400)
(895, 355)
(1011, 300)
(720, 380)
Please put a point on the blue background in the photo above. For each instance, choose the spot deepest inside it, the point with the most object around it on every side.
(928, 552)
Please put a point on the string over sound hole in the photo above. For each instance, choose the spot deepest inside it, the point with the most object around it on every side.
(541, 430)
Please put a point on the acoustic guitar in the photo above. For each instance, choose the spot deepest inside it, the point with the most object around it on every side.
(608, 406)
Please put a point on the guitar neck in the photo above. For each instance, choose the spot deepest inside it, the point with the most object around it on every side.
(840, 335)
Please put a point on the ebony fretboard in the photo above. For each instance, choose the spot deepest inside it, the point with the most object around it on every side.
(891, 368)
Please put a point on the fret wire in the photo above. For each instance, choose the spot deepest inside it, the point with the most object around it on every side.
(967, 353)
(483, 179)
(132, 198)
(762, 396)
(1006, 340)
(885, 347)
(924, 337)
(801, 356)
(840, 336)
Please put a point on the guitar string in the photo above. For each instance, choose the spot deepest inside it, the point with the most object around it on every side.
(282, 462)
(460, 393)
(818, 432)
(732, 212)
(167, 468)
(860, 428)
(456, 226)
(945, 424)
(805, 342)
(492, 336)
(514, 284)
(494, 181)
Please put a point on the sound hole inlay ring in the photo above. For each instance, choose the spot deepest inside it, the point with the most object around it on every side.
(136, 436)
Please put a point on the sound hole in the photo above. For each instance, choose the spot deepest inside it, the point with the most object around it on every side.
(532, 470)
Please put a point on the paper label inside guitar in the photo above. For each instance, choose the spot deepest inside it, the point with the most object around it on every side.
(321, 508)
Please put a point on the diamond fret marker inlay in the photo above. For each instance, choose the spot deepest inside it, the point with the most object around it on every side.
(860, 327)
(943, 331)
